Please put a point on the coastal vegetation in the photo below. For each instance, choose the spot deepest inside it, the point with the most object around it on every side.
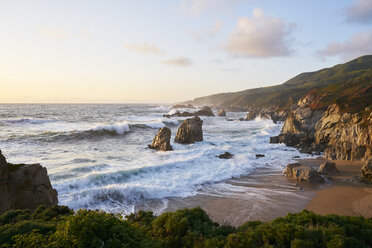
(58, 226)
(349, 85)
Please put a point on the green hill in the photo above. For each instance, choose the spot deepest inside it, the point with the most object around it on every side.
(349, 83)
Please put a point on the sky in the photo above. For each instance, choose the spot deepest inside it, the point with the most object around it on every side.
(166, 51)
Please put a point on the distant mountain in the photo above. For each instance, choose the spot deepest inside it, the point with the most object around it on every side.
(348, 84)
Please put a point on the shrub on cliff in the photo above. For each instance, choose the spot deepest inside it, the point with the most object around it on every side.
(58, 227)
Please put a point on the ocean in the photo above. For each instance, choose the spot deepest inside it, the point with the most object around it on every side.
(97, 156)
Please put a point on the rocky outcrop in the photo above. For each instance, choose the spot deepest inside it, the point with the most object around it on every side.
(302, 173)
(221, 112)
(327, 168)
(225, 155)
(162, 140)
(366, 171)
(190, 131)
(205, 111)
(346, 136)
(270, 113)
(24, 186)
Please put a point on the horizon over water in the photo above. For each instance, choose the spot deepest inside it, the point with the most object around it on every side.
(97, 155)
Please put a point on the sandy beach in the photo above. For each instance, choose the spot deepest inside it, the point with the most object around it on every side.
(266, 194)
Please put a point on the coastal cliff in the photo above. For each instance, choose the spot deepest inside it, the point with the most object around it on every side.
(24, 186)
(337, 131)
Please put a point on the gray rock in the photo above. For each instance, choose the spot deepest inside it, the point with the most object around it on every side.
(190, 131)
(327, 168)
(302, 173)
(162, 140)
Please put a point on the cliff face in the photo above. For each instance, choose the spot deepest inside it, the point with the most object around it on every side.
(24, 186)
(341, 134)
(346, 136)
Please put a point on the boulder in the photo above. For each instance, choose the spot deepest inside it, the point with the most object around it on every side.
(302, 173)
(25, 186)
(327, 168)
(260, 155)
(221, 112)
(190, 131)
(366, 171)
(205, 111)
(162, 140)
(225, 155)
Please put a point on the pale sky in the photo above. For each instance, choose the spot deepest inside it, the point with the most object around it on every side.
(167, 51)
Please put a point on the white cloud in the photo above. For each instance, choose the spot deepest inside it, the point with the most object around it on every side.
(260, 37)
(144, 48)
(359, 44)
(360, 12)
(179, 61)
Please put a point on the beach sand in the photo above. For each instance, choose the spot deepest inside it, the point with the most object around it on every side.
(266, 194)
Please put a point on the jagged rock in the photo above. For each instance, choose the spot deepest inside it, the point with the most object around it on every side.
(205, 111)
(221, 112)
(252, 114)
(366, 171)
(327, 168)
(25, 186)
(190, 131)
(302, 173)
(260, 155)
(162, 140)
(225, 155)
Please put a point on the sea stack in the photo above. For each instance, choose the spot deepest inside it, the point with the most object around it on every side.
(162, 140)
(24, 186)
(190, 131)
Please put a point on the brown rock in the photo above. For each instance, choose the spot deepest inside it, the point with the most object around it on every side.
(225, 155)
(25, 187)
(327, 168)
(190, 131)
(366, 171)
(221, 112)
(162, 140)
(302, 173)
(205, 111)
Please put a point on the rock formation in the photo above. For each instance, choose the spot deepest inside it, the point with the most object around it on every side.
(221, 112)
(205, 111)
(340, 134)
(366, 171)
(162, 140)
(190, 131)
(225, 155)
(302, 173)
(269, 113)
(24, 186)
(327, 168)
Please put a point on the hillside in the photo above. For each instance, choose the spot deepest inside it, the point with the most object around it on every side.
(349, 83)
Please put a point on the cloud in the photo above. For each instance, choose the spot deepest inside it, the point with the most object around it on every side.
(179, 61)
(260, 37)
(208, 33)
(359, 44)
(144, 48)
(360, 12)
(217, 61)
(58, 33)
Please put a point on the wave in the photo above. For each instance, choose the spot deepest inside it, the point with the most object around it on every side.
(28, 121)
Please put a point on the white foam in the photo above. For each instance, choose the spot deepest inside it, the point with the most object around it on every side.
(119, 128)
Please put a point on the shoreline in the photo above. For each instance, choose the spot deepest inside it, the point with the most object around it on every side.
(266, 194)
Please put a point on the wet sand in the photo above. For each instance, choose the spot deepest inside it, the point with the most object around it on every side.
(266, 194)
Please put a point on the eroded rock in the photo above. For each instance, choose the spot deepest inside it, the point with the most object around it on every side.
(190, 131)
(25, 186)
(366, 171)
(327, 168)
(162, 140)
(303, 173)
